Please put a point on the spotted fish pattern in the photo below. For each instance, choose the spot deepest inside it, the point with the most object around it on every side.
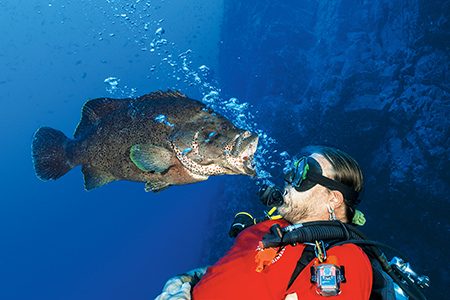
(161, 138)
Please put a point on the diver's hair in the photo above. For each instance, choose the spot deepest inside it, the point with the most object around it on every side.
(346, 170)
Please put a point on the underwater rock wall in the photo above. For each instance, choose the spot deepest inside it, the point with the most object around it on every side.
(369, 77)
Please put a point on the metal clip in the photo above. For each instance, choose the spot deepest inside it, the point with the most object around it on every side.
(404, 267)
(319, 250)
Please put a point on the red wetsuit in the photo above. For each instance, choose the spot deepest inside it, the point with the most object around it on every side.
(234, 276)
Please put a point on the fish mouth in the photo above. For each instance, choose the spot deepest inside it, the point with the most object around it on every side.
(249, 166)
(243, 153)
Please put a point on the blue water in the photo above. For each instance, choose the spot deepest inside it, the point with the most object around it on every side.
(58, 241)
(375, 85)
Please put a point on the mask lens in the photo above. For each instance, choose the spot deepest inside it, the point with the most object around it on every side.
(298, 176)
(289, 176)
(301, 171)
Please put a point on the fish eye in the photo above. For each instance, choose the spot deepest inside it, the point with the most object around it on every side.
(224, 127)
(207, 110)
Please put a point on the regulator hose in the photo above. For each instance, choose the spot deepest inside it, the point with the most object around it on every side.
(310, 231)
(338, 231)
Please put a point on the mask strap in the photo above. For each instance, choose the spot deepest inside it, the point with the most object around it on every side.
(349, 193)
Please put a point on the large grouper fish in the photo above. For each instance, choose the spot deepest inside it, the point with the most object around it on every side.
(162, 139)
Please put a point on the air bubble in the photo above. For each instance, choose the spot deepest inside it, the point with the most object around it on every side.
(160, 31)
(112, 84)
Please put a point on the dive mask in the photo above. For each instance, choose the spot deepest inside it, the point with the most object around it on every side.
(306, 173)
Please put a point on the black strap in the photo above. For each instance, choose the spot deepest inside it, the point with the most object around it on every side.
(308, 255)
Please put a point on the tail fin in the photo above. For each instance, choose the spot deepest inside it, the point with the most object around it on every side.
(49, 153)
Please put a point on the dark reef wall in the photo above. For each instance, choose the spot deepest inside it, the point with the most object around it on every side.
(369, 77)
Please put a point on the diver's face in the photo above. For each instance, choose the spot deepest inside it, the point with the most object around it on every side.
(309, 205)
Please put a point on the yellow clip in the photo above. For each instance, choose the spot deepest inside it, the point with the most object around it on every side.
(321, 255)
(271, 211)
(275, 217)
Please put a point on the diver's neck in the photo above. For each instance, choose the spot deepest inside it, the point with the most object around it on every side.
(315, 219)
(310, 219)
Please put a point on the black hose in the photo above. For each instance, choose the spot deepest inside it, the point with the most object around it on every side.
(372, 243)
(336, 230)
(311, 231)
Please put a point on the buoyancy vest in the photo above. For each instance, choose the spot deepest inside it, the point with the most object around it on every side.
(234, 276)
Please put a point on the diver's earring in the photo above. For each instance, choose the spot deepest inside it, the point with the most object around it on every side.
(332, 216)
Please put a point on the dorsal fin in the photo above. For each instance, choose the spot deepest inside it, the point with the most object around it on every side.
(161, 94)
(94, 110)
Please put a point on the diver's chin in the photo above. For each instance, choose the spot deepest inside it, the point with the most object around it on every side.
(282, 209)
(285, 211)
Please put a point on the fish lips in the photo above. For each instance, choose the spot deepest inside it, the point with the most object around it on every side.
(249, 167)
(245, 148)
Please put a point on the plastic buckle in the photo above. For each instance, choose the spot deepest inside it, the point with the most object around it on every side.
(319, 251)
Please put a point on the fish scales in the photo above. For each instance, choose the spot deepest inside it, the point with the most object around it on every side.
(124, 139)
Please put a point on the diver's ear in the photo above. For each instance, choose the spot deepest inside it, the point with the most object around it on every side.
(337, 199)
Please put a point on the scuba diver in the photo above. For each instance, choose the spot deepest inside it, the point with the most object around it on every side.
(313, 250)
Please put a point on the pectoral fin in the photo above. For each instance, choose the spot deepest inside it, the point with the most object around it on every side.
(94, 178)
(156, 186)
(148, 157)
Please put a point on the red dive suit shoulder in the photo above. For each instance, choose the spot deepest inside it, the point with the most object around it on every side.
(234, 276)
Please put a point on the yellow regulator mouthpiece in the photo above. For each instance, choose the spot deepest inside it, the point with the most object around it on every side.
(271, 215)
